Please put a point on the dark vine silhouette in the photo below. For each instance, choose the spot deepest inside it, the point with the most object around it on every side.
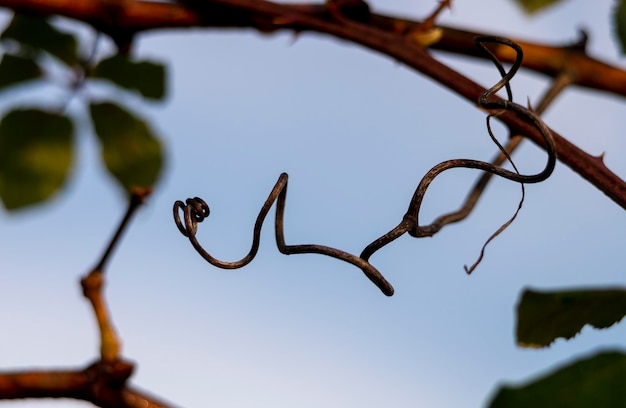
(410, 221)
(195, 210)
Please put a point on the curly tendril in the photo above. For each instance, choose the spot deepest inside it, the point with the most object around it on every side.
(195, 210)
(410, 221)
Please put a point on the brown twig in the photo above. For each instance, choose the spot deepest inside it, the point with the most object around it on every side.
(379, 34)
(137, 198)
(93, 284)
(103, 383)
(139, 16)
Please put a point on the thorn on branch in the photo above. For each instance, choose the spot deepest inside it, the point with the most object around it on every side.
(580, 45)
(426, 34)
(429, 22)
(112, 12)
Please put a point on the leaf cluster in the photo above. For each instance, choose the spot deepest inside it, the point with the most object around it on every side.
(37, 144)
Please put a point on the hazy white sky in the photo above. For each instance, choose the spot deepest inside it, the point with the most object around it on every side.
(356, 132)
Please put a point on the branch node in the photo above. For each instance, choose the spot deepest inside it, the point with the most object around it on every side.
(110, 373)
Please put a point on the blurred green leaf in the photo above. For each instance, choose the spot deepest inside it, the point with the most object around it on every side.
(131, 152)
(37, 33)
(35, 156)
(619, 18)
(542, 317)
(598, 381)
(533, 6)
(147, 78)
(14, 70)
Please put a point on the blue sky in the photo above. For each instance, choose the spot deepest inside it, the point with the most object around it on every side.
(356, 132)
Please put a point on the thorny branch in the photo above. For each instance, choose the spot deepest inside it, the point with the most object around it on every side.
(388, 35)
(135, 17)
(196, 210)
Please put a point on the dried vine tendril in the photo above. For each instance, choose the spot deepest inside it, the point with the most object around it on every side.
(410, 221)
(195, 210)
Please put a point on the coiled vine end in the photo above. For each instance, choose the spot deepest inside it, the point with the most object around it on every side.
(195, 210)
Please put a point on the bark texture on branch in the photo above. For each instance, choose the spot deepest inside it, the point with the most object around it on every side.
(384, 34)
(138, 16)
(103, 384)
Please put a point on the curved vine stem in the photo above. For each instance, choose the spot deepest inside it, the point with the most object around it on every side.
(410, 221)
(558, 85)
(195, 210)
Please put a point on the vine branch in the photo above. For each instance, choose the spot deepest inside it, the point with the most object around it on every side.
(139, 16)
(98, 383)
(383, 34)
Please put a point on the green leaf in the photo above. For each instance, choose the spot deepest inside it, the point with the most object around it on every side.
(38, 34)
(14, 70)
(542, 317)
(147, 78)
(533, 6)
(597, 381)
(131, 152)
(35, 156)
(619, 18)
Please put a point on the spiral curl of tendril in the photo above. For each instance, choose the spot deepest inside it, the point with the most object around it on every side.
(195, 210)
